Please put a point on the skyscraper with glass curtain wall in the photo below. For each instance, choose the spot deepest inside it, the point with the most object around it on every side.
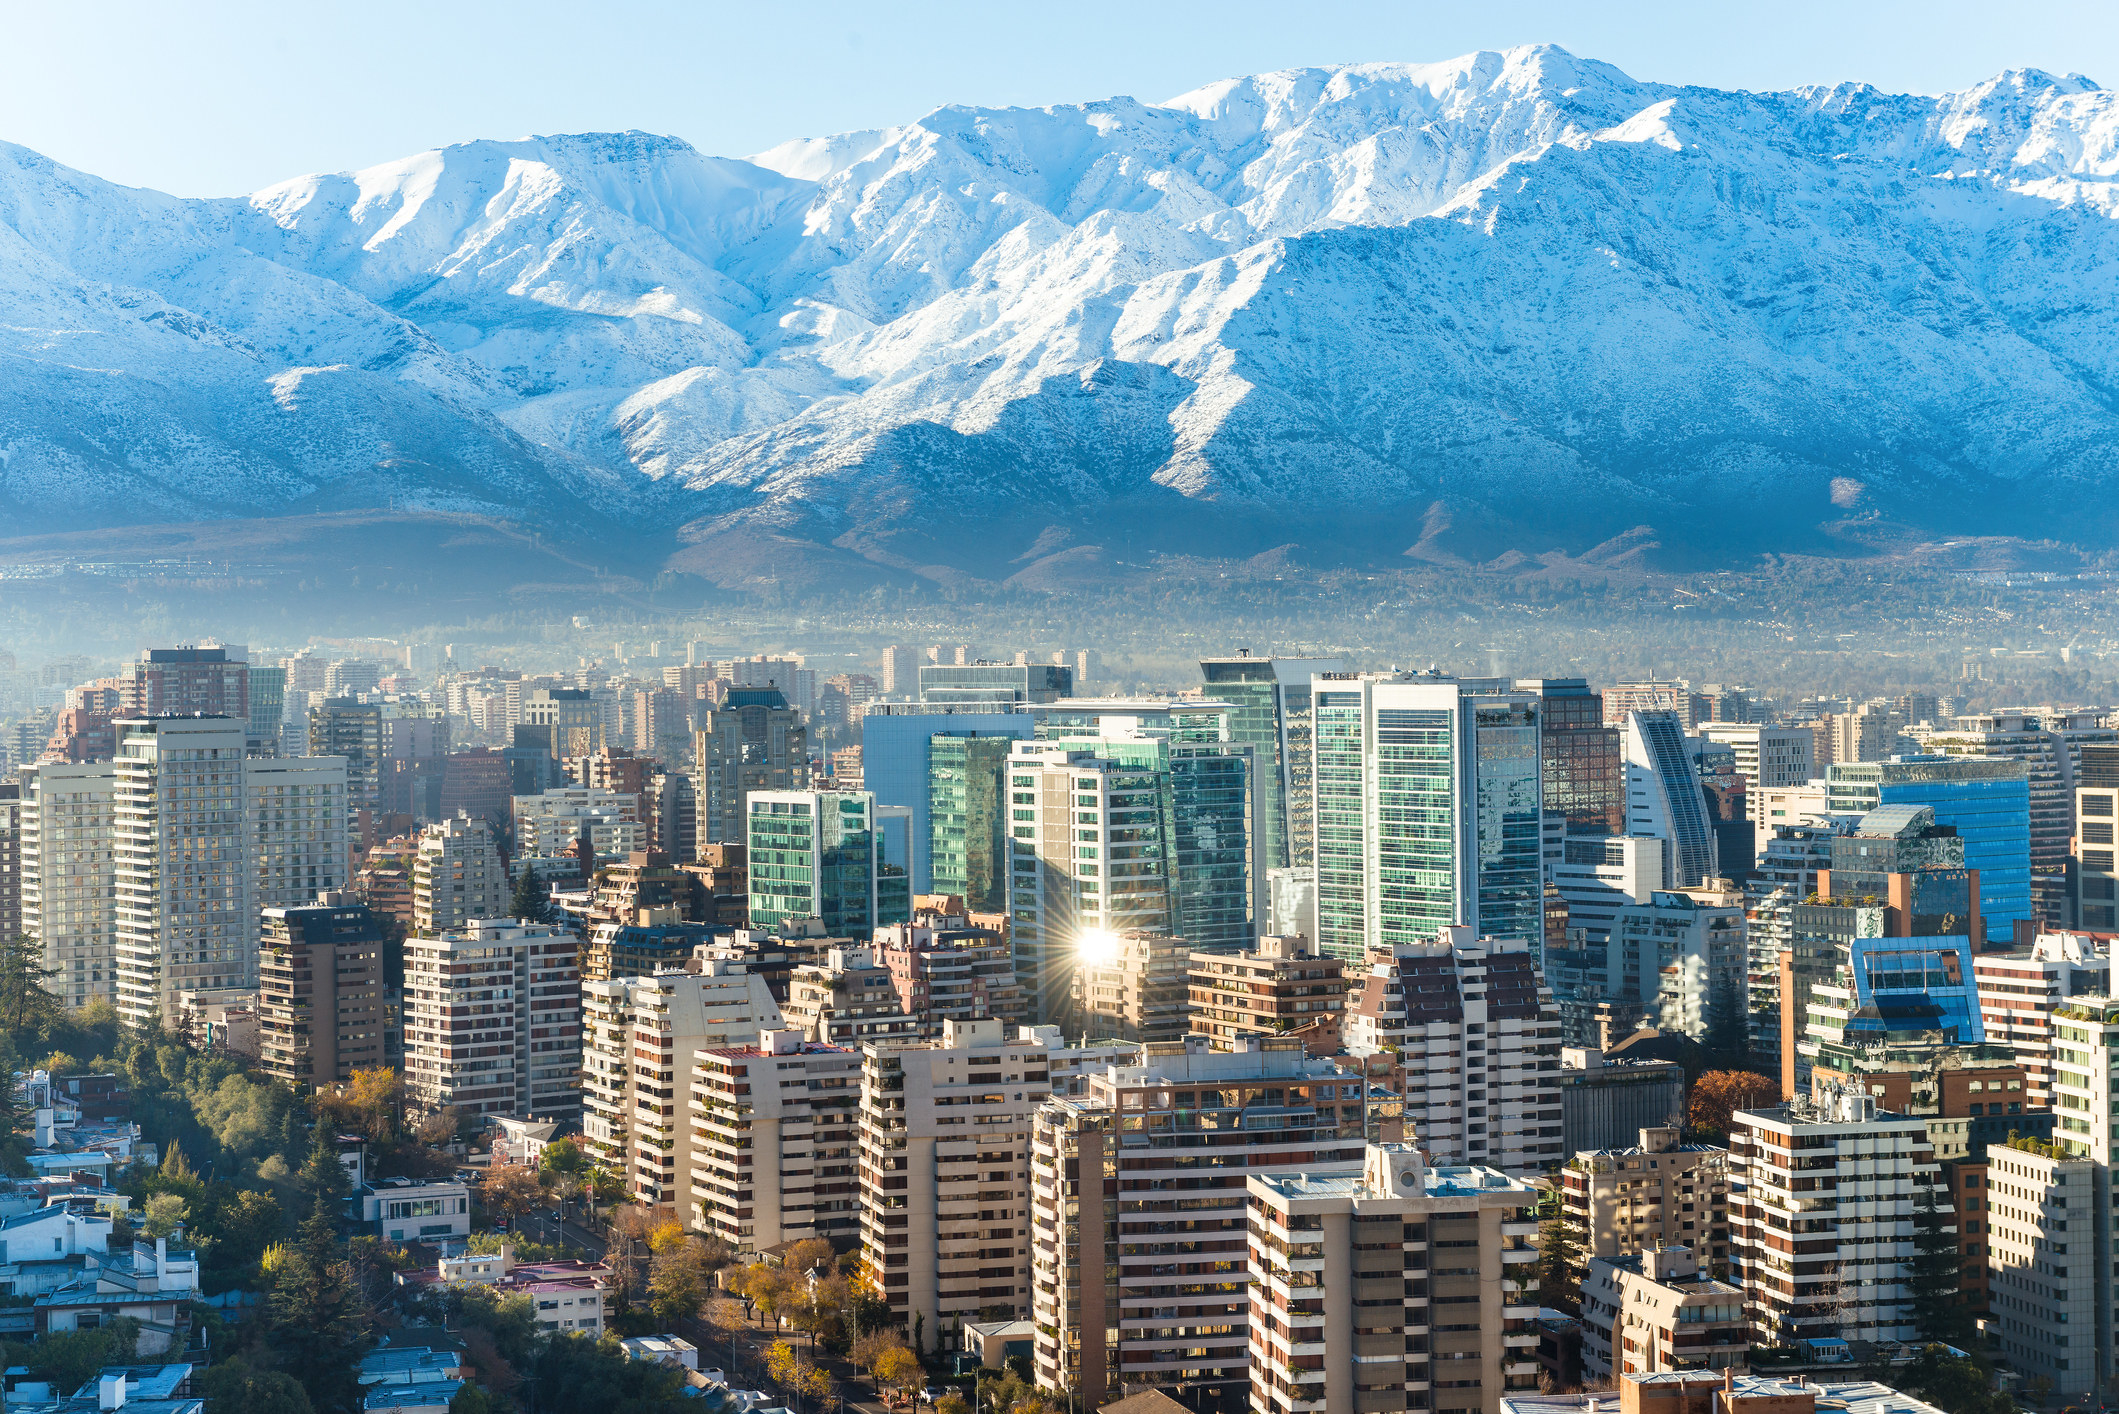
(1428, 801)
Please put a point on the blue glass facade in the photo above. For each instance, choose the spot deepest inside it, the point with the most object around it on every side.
(894, 765)
(1986, 800)
(1913, 985)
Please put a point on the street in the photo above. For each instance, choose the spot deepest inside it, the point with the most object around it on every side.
(582, 1241)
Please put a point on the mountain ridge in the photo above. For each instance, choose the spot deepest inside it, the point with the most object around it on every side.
(1330, 308)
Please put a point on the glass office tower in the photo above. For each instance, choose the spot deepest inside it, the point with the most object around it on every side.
(1987, 800)
(967, 819)
(1272, 712)
(1428, 801)
(818, 854)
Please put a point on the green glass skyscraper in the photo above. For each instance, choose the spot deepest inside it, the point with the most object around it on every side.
(818, 854)
(1428, 802)
(967, 818)
(1273, 715)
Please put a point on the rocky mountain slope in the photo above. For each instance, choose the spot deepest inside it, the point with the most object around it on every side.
(1512, 304)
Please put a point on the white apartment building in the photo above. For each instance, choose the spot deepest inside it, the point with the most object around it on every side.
(547, 824)
(775, 1151)
(849, 999)
(1478, 1036)
(186, 916)
(1601, 874)
(1655, 1193)
(1679, 956)
(1654, 1311)
(638, 1038)
(2046, 1298)
(297, 809)
(493, 1021)
(457, 876)
(2018, 992)
(1769, 758)
(1839, 1176)
(69, 875)
(1392, 1287)
(945, 1137)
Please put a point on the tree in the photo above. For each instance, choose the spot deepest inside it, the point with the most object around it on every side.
(679, 1280)
(235, 1386)
(799, 1379)
(529, 900)
(1960, 1384)
(899, 1369)
(1718, 1094)
(376, 1098)
(1560, 1265)
(165, 1214)
(471, 1400)
(27, 1005)
(1933, 1277)
(951, 1404)
(512, 1190)
(327, 1185)
(70, 1359)
(870, 1347)
(1728, 1038)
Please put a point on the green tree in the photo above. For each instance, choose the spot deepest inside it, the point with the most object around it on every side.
(1961, 1384)
(679, 1281)
(326, 1184)
(1934, 1278)
(1560, 1265)
(472, 1400)
(27, 1006)
(576, 1375)
(235, 1386)
(164, 1215)
(528, 901)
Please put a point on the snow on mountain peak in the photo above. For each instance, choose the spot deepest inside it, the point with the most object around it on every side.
(1516, 279)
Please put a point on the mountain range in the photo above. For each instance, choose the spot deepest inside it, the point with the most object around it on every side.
(1512, 309)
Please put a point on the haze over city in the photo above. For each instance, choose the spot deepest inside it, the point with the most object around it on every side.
(1376, 708)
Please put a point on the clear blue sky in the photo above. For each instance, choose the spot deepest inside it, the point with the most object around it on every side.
(204, 98)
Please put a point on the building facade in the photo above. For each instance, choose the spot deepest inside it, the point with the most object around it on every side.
(493, 1021)
(322, 1013)
(775, 1142)
(457, 876)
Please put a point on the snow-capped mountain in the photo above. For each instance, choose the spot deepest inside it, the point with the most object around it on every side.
(1515, 299)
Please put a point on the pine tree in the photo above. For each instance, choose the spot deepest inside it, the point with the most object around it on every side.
(26, 1001)
(526, 903)
(323, 1179)
(1933, 1278)
(1559, 1265)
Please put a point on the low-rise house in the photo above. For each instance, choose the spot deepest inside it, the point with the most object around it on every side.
(152, 1285)
(427, 1398)
(409, 1365)
(135, 1389)
(47, 1249)
(408, 1210)
(569, 1296)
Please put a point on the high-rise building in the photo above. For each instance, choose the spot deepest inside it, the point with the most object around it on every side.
(1171, 1139)
(1679, 961)
(754, 741)
(1654, 1312)
(2050, 743)
(1281, 989)
(1272, 712)
(2020, 989)
(189, 681)
(1607, 1100)
(819, 854)
(638, 1039)
(10, 860)
(946, 968)
(1986, 800)
(545, 825)
(1395, 1287)
(1133, 987)
(186, 919)
(298, 845)
(1585, 778)
(775, 1142)
(898, 741)
(457, 876)
(493, 1021)
(321, 1009)
(1429, 799)
(348, 727)
(1852, 1175)
(572, 714)
(1627, 1200)
(847, 998)
(967, 816)
(2051, 1314)
(945, 1130)
(1126, 834)
(1664, 798)
(901, 671)
(1478, 1036)
(1623, 699)
(267, 691)
(994, 685)
(1768, 758)
(70, 875)
(672, 816)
